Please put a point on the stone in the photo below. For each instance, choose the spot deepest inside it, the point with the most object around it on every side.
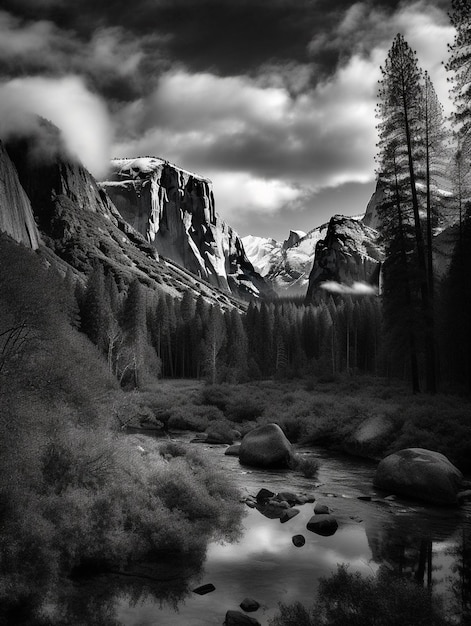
(420, 474)
(289, 496)
(264, 495)
(298, 541)
(204, 589)
(289, 514)
(218, 432)
(321, 509)
(233, 450)
(266, 447)
(249, 605)
(236, 618)
(325, 525)
(273, 509)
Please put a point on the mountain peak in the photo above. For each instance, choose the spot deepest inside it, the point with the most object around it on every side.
(174, 210)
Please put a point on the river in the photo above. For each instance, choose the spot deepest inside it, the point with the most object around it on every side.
(265, 565)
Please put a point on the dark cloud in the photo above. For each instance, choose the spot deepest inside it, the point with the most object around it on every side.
(227, 37)
(273, 99)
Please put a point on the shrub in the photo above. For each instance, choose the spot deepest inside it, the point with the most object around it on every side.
(352, 599)
(308, 466)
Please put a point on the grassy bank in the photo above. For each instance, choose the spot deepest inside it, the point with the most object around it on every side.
(361, 415)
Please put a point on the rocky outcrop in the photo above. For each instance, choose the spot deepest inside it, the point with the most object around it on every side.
(266, 447)
(16, 215)
(420, 474)
(294, 238)
(371, 217)
(175, 211)
(349, 255)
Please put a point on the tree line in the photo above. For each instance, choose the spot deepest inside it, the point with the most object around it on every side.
(144, 333)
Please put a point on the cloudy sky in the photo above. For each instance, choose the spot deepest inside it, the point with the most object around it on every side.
(273, 100)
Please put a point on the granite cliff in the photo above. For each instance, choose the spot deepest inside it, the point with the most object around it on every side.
(175, 211)
(16, 215)
(349, 254)
(77, 223)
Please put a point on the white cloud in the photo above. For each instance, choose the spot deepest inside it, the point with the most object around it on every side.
(356, 289)
(269, 142)
(243, 192)
(81, 115)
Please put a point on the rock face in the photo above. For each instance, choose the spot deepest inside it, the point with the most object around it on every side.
(175, 211)
(79, 224)
(266, 447)
(349, 254)
(420, 474)
(16, 215)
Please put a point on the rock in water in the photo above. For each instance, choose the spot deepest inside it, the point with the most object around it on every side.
(204, 589)
(288, 514)
(249, 605)
(298, 541)
(420, 474)
(325, 525)
(266, 447)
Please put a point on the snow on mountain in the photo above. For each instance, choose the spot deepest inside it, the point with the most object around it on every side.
(285, 264)
(175, 211)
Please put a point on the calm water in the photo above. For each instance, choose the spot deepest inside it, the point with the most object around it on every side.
(265, 565)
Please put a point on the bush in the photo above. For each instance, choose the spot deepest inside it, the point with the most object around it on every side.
(307, 466)
(352, 599)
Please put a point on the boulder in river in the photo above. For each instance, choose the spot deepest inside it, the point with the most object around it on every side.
(288, 514)
(420, 474)
(298, 541)
(249, 605)
(321, 509)
(204, 589)
(233, 450)
(325, 525)
(266, 447)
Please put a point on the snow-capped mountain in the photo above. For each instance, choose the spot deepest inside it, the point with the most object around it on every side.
(286, 264)
(175, 211)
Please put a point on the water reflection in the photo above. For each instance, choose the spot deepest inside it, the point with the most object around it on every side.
(430, 545)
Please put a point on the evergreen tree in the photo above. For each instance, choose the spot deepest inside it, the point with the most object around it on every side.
(213, 343)
(459, 64)
(401, 150)
(95, 308)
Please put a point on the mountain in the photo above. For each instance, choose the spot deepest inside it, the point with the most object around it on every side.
(76, 221)
(175, 211)
(286, 265)
(349, 256)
